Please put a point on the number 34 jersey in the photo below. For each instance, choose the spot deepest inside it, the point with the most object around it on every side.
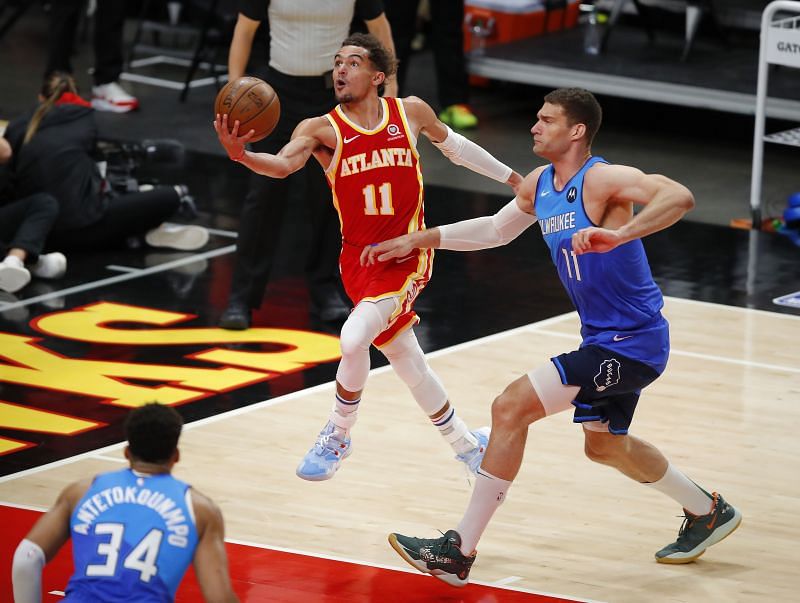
(133, 537)
(375, 177)
(617, 300)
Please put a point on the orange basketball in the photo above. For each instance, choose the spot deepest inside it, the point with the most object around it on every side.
(253, 102)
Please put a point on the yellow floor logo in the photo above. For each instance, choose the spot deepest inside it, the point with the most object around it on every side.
(28, 362)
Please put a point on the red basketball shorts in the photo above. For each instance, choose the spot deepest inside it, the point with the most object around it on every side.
(403, 278)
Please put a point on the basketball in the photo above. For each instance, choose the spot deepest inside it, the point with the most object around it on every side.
(253, 102)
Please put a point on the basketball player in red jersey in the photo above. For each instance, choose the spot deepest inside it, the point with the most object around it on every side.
(367, 147)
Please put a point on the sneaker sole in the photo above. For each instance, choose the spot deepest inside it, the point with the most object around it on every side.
(421, 566)
(322, 478)
(187, 239)
(12, 279)
(717, 536)
(103, 105)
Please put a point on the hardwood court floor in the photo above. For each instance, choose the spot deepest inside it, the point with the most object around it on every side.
(725, 412)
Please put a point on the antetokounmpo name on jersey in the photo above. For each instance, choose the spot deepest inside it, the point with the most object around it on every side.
(557, 223)
(171, 513)
(393, 157)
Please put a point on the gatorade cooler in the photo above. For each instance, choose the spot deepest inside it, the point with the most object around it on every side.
(489, 22)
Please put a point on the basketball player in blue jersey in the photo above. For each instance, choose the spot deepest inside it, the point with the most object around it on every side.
(584, 207)
(134, 532)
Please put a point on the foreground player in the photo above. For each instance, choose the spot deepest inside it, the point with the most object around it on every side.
(367, 146)
(584, 207)
(134, 532)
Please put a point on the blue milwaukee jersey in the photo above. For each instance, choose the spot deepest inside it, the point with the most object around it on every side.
(617, 300)
(133, 537)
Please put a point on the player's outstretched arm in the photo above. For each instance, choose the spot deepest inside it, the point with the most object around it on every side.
(457, 148)
(289, 159)
(468, 235)
(210, 559)
(42, 543)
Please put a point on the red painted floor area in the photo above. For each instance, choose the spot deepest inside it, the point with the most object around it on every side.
(261, 574)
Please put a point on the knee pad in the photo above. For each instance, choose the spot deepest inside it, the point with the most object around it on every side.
(358, 332)
(356, 336)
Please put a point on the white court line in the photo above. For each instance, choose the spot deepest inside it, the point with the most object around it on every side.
(673, 352)
(162, 83)
(161, 58)
(532, 327)
(118, 268)
(770, 313)
(507, 580)
(272, 401)
(222, 233)
(113, 459)
(121, 277)
(405, 570)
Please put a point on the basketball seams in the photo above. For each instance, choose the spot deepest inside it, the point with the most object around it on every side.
(221, 97)
(267, 106)
(241, 96)
(253, 113)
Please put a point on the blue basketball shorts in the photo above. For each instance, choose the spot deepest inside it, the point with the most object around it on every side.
(610, 385)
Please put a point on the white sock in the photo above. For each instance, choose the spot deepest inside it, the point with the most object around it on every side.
(455, 431)
(684, 491)
(13, 260)
(343, 415)
(488, 494)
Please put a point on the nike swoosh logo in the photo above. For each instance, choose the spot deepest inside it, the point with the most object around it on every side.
(618, 338)
(545, 193)
(351, 139)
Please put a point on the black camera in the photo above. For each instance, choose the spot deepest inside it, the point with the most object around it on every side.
(120, 160)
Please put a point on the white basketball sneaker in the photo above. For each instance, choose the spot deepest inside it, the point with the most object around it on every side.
(13, 274)
(176, 236)
(113, 97)
(50, 265)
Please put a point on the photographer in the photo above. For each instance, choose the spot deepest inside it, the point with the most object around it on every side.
(24, 226)
(54, 153)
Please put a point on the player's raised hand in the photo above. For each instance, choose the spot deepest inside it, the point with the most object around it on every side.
(398, 247)
(229, 138)
(595, 240)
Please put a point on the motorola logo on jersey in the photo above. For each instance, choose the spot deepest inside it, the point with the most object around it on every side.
(608, 374)
(572, 194)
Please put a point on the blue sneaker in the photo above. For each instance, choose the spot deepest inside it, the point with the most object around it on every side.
(322, 461)
(472, 459)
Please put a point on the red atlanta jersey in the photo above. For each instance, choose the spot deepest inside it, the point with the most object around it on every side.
(375, 177)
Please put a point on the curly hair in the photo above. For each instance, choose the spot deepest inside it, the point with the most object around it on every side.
(381, 58)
